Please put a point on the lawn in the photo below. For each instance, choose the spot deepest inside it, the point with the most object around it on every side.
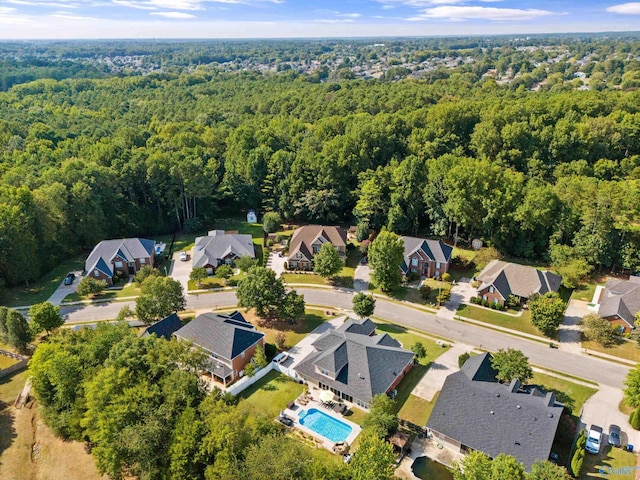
(304, 278)
(12, 385)
(571, 394)
(613, 464)
(622, 349)
(271, 394)
(211, 282)
(128, 290)
(355, 415)
(345, 277)
(6, 362)
(468, 272)
(294, 333)
(436, 287)
(408, 294)
(40, 290)
(585, 291)
(521, 323)
(417, 410)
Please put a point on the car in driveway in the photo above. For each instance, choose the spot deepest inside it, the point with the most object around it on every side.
(68, 280)
(183, 256)
(614, 435)
(594, 440)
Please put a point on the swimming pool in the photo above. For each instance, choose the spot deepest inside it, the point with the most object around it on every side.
(324, 425)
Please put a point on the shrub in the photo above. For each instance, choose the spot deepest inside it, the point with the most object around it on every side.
(576, 462)
(231, 282)
(425, 291)
(419, 350)
(270, 350)
(463, 358)
(473, 299)
(362, 231)
(119, 277)
(443, 296)
(446, 277)
(281, 340)
(89, 286)
(270, 243)
(224, 271)
(512, 301)
(485, 302)
(493, 305)
(412, 276)
(635, 419)
(250, 370)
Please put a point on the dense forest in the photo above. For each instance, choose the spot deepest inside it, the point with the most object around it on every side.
(551, 174)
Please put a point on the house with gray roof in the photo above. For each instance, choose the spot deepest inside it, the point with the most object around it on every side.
(229, 341)
(620, 302)
(126, 255)
(165, 328)
(221, 248)
(306, 242)
(355, 363)
(425, 257)
(476, 412)
(500, 279)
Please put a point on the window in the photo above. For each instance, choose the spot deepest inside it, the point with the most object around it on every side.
(242, 355)
(484, 297)
(437, 264)
(491, 289)
(228, 261)
(316, 248)
(414, 262)
(143, 261)
(209, 271)
(118, 264)
(96, 273)
(324, 372)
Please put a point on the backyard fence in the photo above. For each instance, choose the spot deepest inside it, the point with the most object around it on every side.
(245, 382)
(22, 363)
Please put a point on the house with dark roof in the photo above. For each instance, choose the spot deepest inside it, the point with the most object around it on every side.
(126, 255)
(500, 279)
(165, 328)
(620, 302)
(476, 412)
(425, 257)
(306, 242)
(220, 248)
(229, 341)
(355, 363)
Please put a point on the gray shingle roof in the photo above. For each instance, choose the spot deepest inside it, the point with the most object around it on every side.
(210, 250)
(130, 249)
(521, 280)
(165, 327)
(224, 335)
(495, 418)
(363, 327)
(372, 363)
(435, 250)
(621, 298)
(304, 237)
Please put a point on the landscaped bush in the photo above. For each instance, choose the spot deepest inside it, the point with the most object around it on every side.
(231, 282)
(485, 303)
(463, 358)
(425, 291)
(412, 276)
(512, 301)
(446, 277)
(494, 305)
(270, 243)
(635, 419)
(120, 277)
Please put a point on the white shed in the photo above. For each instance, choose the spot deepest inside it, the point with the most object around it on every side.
(252, 217)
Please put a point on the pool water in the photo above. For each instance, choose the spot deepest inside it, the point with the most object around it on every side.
(324, 425)
(428, 469)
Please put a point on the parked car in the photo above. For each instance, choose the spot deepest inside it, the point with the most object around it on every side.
(68, 280)
(594, 438)
(183, 256)
(614, 435)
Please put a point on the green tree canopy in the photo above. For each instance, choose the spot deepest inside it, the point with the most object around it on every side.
(511, 364)
(364, 305)
(374, 459)
(271, 222)
(386, 253)
(598, 330)
(18, 332)
(327, 262)
(45, 316)
(547, 312)
(159, 297)
(261, 290)
(90, 286)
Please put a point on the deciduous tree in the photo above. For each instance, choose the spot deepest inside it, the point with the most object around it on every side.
(198, 275)
(364, 305)
(159, 297)
(327, 262)
(374, 459)
(511, 364)
(598, 330)
(45, 316)
(261, 290)
(18, 332)
(386, 254)
(90, 286)
(547, 312)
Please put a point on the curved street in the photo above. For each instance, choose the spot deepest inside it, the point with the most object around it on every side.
(576, 364)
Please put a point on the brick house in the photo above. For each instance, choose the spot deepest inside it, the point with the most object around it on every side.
(306, 242)
(221, 248)
(229, 341)
(428, 258)
(355, 363)
(126, 255)
(620, 302)
(500, 279)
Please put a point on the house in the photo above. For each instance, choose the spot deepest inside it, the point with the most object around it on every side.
(126, 255)
(355, 363)
(165, 328)
(228, 340)
(476, 412)
(500, 279)
(306, 242)
(620, 302)
(219, 248)
(429, 258)
(252, 217)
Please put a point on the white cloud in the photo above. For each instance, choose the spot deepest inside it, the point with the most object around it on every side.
(480, 13)
(131, 4)
(334, 20)
(632, 8)
(181, 4)
(178, 15)
(68, 16)
(43, 4)
(426, 3)
(349, 15)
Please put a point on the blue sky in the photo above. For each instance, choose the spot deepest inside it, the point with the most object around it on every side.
(307, 18)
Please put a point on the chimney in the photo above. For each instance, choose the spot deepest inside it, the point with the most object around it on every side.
(514, 385)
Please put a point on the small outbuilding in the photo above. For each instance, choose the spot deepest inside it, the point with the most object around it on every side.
(252, 217)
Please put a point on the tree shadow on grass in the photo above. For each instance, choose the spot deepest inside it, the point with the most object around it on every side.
(388, 328)
(7, 429)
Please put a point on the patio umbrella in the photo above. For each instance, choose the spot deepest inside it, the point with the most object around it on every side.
(326, 395)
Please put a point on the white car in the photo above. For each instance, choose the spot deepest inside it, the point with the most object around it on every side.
(183, 256)
(594, 440)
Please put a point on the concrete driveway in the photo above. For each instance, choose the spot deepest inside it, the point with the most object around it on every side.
(461, 292)
(443, 366)
(276, 263)
(180, 271)
(361, 278)
(63, 290)
(569, 331)
(303, 348)
(602, 409)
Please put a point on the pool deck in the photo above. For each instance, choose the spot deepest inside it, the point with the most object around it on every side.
(326, 443)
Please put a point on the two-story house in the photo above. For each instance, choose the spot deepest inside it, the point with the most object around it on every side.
(428, 258)
(306, 243)
(126, 255)
(228, 340)
(221, 248)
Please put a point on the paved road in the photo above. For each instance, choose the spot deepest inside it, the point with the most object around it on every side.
(591, 368)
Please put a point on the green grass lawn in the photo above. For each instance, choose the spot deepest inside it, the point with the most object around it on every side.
(129, 290)
(521, 323)
(571, 394)
(311, 278)
(585, 291)
(597, 466)
(408, 294)
(40, 290)
(6, 362)
(623, 349)
(12, 385)
(417, 410)
(271, 394)
(355, 415)
(211, 282)
(345, 278)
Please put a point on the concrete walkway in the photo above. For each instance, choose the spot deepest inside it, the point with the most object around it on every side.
(461, 292)
(443, 366)
(569, 332)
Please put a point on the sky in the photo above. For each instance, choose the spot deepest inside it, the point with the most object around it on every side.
(78, 19)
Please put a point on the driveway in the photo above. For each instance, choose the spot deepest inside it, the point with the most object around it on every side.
(461, 292)
(443, 366)
(180, 271)
(569, 331)
(64, 290)
(276, 263)
(361, 278)
(602, 409)
(303, 348)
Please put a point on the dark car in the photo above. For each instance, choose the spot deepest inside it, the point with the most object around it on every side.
(614, 435)
(68, 280)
